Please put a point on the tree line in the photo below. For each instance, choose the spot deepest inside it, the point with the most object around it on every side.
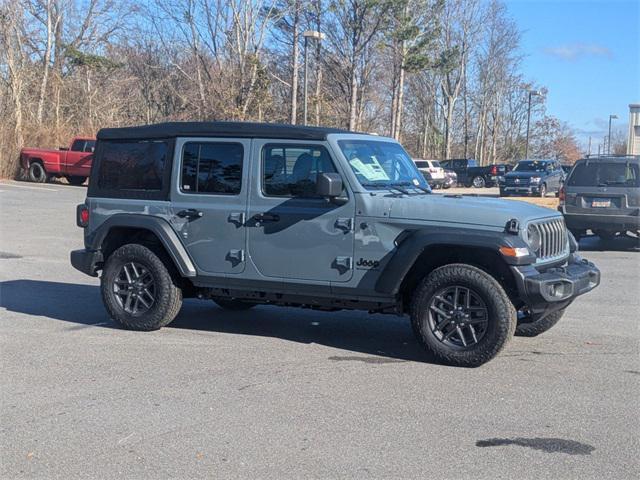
(442, 76)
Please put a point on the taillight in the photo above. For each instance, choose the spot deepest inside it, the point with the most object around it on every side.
(494, 170)
(82, 216)
(561, 195)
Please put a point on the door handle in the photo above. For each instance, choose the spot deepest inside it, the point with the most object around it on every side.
(190, 213)
(266, 217)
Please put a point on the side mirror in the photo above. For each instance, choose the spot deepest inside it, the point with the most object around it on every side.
(329, 185)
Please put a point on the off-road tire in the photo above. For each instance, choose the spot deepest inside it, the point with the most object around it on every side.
(233, 304)
(37, 173)
(501, 315)
(533, 329)
(168, 297)
(75, 180)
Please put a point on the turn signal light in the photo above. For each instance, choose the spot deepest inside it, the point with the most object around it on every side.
(514, 252)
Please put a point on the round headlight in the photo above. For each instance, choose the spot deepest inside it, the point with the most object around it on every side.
(533, 238)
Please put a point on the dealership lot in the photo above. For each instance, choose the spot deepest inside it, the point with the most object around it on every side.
(287, 393)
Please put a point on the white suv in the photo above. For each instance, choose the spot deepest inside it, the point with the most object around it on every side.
(432, 172)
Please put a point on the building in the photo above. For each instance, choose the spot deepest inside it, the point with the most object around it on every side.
(633, 144)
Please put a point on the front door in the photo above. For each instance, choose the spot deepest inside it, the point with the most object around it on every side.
(209, 203)
(292, 233)
(77, 161)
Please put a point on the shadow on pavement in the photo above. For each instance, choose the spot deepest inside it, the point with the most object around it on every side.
(375, 335)
(623, 243)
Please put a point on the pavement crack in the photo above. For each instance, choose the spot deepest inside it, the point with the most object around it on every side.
(546, 445)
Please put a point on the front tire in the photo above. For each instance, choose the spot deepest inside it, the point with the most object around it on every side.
(37, 173)
(533, 329)
(478, 182)
(462, 315)
(138, 290)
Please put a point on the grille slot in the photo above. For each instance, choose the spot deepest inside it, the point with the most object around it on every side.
(553, 239)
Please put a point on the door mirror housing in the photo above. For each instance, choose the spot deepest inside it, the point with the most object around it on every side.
(329, 185)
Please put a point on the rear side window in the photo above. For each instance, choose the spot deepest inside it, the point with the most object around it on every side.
(603, 174)
(132, 169)
(214, 168)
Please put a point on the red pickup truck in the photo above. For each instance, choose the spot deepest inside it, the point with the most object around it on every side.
(73, 162)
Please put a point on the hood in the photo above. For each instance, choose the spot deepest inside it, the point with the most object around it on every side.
(524, 174)
(486, 211)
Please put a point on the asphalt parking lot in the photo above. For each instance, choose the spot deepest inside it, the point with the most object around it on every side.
(287, 393)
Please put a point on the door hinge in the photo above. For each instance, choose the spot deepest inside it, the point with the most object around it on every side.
(345, 224)
(343, 264)
(235, 256)
(237, 218)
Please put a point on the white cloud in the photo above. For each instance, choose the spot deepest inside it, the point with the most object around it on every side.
(574, 51)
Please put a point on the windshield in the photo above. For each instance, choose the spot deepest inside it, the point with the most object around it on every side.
(381, 164)
(594, 174)
(530, 166)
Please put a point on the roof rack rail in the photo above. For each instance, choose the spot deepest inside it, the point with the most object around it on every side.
(595, 155)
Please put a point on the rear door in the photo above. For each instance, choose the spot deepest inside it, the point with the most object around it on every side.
(209, 204)
(603, 188)
(77, 160)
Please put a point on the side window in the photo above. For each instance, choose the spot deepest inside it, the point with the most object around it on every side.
(212, 168)
(132, 165)
(290, 170)
(90, 146)
(77, 146)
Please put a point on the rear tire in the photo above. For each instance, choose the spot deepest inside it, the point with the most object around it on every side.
(437, 319)
(77, 181)
(37, 173)
(478, 182)
(138, 263)
(233, 304)
(533, 329)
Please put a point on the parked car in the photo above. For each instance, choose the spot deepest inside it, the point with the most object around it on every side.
(450, 179)
(533, 177)
(72, 163)
(432, 172)
(246, 214)
(603, 195)
(470, 174)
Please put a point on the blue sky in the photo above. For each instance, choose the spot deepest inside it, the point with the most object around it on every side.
(587, 53)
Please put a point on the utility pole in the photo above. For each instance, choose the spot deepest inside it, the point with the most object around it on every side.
(317, 36)
(611, 117)
(589, 149)
(526, 146)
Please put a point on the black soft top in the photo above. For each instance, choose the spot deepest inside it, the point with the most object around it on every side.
(217, 129)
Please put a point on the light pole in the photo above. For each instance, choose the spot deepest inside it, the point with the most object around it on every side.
(318, 36)
(526, 146)
(611, 117)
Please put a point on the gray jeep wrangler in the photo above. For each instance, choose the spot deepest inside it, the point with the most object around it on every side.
(247, 214)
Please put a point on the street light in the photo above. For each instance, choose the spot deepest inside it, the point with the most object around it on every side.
(611, 117)
(526, 147)
(318, 36)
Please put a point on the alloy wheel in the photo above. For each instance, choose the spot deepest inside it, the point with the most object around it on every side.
(134, 288)
(458, 317)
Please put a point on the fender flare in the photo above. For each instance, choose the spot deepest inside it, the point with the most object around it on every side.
(156, 225)
(412, 243)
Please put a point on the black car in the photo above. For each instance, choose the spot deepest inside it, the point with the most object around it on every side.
(533, 177)
(603, 195)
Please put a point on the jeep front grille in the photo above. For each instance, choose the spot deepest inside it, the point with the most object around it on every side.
(554, 242)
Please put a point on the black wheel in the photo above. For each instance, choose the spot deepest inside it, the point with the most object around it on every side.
(138, 290)
(37, 173)
(233, 304)
(543, 190)
(74, 180)
(503, 193)
(462, 315)
(478, 182)
(533, 329)
(605, 235)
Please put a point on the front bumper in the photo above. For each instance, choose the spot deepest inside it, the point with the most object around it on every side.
(554, 288)
(529, 190)
(87, 261)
